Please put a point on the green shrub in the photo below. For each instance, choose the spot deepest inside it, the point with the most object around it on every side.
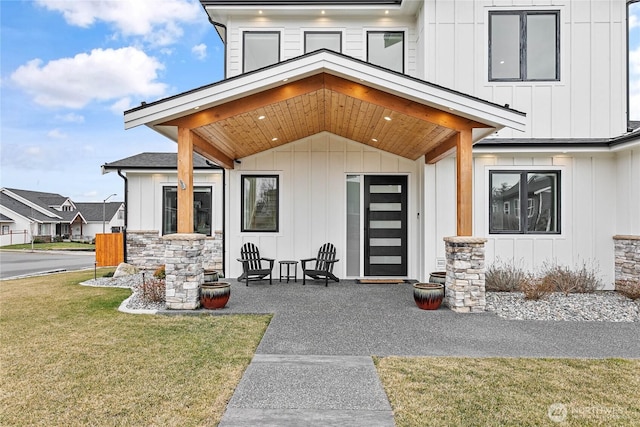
(630, 288)
(108, 274)
(504, 277)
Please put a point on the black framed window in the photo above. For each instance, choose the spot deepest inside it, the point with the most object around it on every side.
(260, 49)
(524, 45)
(386, 49)
(539, 191)
(316, 40)
(202, 210)
(260, 203)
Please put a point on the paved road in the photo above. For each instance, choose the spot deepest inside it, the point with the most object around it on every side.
(26, 263)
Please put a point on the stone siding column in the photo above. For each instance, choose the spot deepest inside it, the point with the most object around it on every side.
(465, 291)
(627, 257)
(184, 272)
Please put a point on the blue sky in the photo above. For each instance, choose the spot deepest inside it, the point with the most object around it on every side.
(69, 68)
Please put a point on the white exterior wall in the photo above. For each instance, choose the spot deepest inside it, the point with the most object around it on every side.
(589, 101)
(145, 197)
(628, 191)
(587, 209)
(354, 36)
(18, 225)
(313, 199)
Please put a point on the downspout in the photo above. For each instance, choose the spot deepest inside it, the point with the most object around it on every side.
(221, 29)
(224, 215)
(126, 213)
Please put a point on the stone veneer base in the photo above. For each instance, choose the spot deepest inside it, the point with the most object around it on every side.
(465, 282)
(184, 271)
(627, 257)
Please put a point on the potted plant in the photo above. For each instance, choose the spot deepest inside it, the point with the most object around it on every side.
(214, 293)
(428, 296)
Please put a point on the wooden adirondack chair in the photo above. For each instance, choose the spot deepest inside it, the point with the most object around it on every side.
(324, 265)
(253, 267)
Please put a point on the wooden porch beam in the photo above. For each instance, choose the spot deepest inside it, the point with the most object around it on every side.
(399, 104)
(446, 148)
(249, 103)
(464, 183)
(185, 180)
(207, 150)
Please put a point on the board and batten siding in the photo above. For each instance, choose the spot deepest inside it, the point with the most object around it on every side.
(588, 210)
(354, 32)
(145, 197)
(312, 195)
(589, 101)
(628, 192)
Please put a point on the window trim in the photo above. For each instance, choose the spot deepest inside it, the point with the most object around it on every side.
(278, 201)
(261, 31)
(523, 39)
(524, 196)
(368, 31)
(324, 31)
(195, 187)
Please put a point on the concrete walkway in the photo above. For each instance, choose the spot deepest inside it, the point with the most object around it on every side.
(314, 364)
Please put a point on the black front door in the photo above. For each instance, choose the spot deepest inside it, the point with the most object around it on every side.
(385, 242)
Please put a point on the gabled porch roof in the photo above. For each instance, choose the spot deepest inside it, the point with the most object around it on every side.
(323, 91)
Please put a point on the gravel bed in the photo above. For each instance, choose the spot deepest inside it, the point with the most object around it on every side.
(133, 282)
(605, 306)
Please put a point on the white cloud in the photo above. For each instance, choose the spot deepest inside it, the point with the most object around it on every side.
(200, 51)
(122, 105)
(56, 134)
(157, 21)
(70, 118)
(97, 76)
(634, 19)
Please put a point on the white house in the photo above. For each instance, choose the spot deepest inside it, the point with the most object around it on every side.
(26, 214)
(388, 126)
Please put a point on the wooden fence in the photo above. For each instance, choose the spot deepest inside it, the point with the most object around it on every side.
(109, 249)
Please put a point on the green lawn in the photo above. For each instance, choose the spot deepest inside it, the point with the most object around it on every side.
(68, 357)
(61, 246)
(512, 392)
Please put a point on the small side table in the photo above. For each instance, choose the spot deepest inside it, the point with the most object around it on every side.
(289, 276)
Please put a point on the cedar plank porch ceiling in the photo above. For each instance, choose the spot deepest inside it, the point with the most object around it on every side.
(318, 103)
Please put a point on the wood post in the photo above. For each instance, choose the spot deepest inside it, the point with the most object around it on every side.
(185, 180)
(464, 186)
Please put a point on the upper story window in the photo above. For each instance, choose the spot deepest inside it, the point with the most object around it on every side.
(202, 212)
(260, 49)
(316, 40)
(537, 190)
(386, 49)
(524, 46)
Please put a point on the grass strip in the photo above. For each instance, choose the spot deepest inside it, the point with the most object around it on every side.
(68, 357)
(511, 392)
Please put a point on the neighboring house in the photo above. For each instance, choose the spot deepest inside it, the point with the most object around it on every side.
(48, 216)
(386, 126)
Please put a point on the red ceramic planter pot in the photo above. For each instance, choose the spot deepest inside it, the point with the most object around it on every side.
(428, 296)
(214, 295)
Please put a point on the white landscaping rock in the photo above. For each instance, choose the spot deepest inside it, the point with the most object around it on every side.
(125, 269)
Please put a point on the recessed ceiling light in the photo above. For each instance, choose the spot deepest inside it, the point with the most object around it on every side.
(374, 140)
(274, 139)
(259, 12)
(196, 108)
(386, 12)
(451, 109)
(387, 118)
(285, 80)
(261, 117)
(322, 12)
